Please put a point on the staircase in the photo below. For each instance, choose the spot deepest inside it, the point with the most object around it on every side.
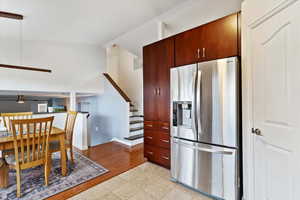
(136, 124)
(135, 133)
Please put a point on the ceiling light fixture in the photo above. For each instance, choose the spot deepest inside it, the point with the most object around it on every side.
(20, 99)
(20, 18)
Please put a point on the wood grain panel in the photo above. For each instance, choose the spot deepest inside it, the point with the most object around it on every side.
(187, 45)
(164, 61)
(220, 38)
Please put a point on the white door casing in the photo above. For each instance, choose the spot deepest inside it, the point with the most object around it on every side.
(273, 49)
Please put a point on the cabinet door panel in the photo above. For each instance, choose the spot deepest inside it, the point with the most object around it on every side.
(150, 89)
(164, 127)
(165, 60)
(163, 157)
(163, 140)
(187, 45)
(150, 137)
(221, 38)
(150, 125)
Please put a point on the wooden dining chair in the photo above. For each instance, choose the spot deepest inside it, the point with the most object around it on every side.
(7, 117)
(69, 129)
(31, 146)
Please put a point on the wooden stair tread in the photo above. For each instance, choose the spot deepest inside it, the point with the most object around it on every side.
(135, 137)
(136, 129)
(136, 116)
(136, 122)
(134, 110)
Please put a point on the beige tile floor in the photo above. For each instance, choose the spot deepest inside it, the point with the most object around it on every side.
(145, 182)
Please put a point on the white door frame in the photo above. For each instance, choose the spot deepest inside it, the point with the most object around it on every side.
(249, 23)
(247, 117)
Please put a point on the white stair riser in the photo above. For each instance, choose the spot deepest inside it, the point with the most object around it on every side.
(136, 133)
(131, 113)
(137, 125)
(136, 118)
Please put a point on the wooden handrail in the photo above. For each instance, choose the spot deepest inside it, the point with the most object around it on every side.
(11, 15)
(115, 85)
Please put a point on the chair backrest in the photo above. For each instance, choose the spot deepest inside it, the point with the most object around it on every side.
(69, 126)
(7, 117)
(31, 140)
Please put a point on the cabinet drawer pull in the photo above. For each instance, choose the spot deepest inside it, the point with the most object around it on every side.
(149, 125)
(149, 137)
(165, 127)
(203, 53)
(198, 53)
(166, 141)
(150, 152)
(165, 157)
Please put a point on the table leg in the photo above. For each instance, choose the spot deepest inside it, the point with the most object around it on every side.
(3, 173)
(63, 155)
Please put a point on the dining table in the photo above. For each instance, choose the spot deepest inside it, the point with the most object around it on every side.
(7, 143)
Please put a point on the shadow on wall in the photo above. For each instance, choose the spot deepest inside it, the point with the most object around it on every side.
(100, 126)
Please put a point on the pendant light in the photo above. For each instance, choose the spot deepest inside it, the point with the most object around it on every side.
(14, 16)
(20, 99)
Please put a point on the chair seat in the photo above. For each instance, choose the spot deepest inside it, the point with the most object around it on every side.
(55, 145)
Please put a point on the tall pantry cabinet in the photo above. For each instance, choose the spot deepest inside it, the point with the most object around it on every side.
(158, 59)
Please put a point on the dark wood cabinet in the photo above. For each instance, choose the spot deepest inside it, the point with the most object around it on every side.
(157, 142)
(217, 39)
(187, 46)
(221, 38)
(158, 59)
(150, 87)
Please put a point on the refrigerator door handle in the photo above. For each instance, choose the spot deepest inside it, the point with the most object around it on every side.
(198, 98)
(194, 110)
(203, 149)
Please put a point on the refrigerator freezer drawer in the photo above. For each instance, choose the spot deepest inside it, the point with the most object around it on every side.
(206, 168)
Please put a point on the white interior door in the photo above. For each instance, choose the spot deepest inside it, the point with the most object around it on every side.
(275, 58)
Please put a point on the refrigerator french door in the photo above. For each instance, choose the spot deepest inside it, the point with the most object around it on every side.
(204, 127)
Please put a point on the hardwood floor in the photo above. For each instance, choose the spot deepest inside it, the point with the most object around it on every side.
(115, 157)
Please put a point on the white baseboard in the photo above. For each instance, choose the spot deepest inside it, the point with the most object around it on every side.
(127, 142)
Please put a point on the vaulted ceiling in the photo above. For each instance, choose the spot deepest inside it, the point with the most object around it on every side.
(84, 21)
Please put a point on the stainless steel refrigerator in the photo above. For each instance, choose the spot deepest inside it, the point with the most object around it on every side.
(205, 128)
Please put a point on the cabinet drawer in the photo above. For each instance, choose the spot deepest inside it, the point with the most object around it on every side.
(150, 153)
(150, 137)
(164, 126)
(157, 155)
(163, 157)
(150, 125)
(163, 140)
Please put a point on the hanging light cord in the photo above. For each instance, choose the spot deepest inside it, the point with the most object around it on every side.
(21, 42)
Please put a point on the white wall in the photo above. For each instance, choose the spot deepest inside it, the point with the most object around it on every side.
(113, 62)
(75, 67)
(187, 15)
(120, 66)
(130, 79)
(113, 115)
